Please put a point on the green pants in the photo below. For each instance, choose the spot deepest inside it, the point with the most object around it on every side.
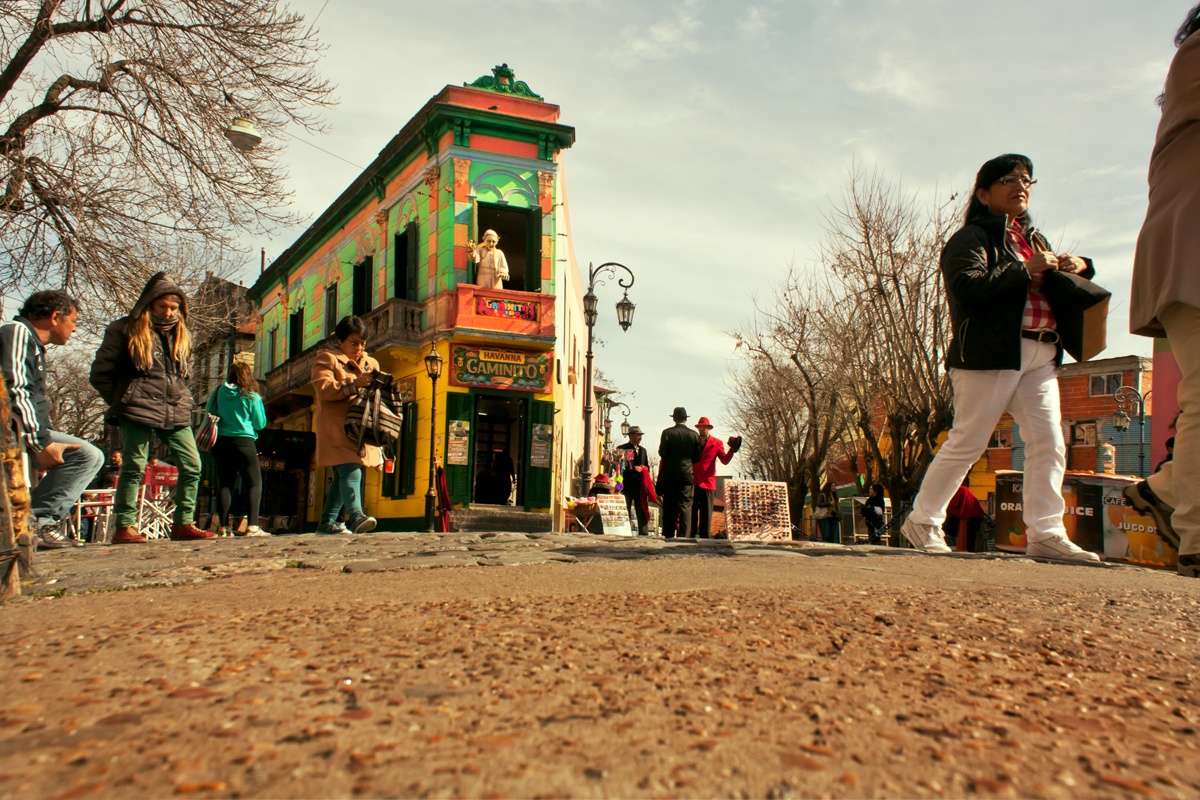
(134, 454)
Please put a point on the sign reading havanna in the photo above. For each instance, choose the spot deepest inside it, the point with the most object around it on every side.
(492, 368)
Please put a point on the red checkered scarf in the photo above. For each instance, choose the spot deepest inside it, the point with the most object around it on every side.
(1038, 314)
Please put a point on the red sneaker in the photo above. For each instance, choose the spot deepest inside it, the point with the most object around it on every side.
(127, 535)
(189, 532)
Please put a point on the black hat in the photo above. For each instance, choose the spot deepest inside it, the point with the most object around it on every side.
(634, 430)
(679, 414)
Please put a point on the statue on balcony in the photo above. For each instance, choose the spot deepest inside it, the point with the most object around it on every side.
(491, 268)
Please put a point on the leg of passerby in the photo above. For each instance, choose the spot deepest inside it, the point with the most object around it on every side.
(186, 456)
(670, 510)
(227, 472)
(1175, 485)
(53, 498)
(702, 509)
(980, 397)
(1035, 407)
(351, 477)
(686, 494)
(333, 507)
(636, 517)
(252, 484)
(135, 449)
(831, 530)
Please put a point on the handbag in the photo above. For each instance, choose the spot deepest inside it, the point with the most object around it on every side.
(205, 431)
(1080, 311)
(375, 414)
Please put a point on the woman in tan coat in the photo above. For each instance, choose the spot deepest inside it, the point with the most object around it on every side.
(1165, 299)
(337, 376)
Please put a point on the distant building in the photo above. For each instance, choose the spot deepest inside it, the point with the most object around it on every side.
(223, 324)
(396, 248)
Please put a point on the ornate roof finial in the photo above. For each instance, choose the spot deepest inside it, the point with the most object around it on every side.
(503, 81)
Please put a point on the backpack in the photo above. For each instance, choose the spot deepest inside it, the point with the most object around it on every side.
(375, 414)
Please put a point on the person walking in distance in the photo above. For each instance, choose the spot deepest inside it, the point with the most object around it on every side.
(70, 463)
(705, 476)
(678, 449)
(339, 372)
(1003, 356)
(242, 413)
(141, 370)
(1165, 299)
(635, 462)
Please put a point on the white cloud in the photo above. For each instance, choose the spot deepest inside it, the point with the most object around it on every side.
(676, 34)
(754, 20)
(905, 82)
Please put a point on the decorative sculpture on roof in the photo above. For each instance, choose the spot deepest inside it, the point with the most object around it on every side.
(503, 80)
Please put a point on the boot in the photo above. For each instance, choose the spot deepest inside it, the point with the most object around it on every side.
(127, 534)
(188, 532)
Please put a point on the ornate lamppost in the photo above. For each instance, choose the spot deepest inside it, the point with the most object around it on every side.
(433, 368)
(1128, 398)
(609, 405)
(625, 318)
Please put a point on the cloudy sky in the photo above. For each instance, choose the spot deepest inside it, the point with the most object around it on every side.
(711, 136)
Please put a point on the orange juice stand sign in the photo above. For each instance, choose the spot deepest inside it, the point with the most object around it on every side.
(1097, 518)
(493, 368)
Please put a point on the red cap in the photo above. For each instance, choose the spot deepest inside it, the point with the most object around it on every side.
(703, 423)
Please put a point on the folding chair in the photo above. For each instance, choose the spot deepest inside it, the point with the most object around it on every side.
(95, 505)
(156, 501)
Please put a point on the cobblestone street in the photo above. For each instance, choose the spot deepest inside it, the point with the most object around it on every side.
(395, 665)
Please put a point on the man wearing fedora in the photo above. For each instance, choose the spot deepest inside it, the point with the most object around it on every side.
(678, 449)
(711, 448)
(635, 461)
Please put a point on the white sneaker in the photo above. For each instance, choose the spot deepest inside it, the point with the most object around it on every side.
(926, 538)
(1062, 549)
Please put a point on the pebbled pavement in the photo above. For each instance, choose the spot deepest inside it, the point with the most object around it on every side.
(103, 568)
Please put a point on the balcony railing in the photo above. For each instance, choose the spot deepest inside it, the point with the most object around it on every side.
(291, 374)
(396, 323)
(503, 313)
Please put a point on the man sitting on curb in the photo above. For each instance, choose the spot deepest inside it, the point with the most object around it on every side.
(70, 463)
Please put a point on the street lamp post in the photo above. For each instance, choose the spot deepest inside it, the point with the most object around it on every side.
(433, 368)
(609, 405)
(625, 318)
(1129, 397)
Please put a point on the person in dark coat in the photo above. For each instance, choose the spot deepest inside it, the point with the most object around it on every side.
(141, 370)
(635, 460)
(678, 449)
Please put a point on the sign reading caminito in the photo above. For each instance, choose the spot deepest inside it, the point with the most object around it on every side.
(491, 368)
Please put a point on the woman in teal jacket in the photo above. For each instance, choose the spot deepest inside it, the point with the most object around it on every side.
(242, 415)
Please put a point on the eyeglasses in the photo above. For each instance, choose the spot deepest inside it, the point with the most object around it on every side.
(1013, 180)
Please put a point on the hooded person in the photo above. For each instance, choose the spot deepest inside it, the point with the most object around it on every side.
(141, 371)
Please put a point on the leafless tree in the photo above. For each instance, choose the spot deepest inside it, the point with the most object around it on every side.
(113, 161)
(75, 407)
(865, 331)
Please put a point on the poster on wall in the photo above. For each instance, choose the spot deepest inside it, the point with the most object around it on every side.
(1097, 518)
(539, 450)
(457, 448)
(614, 514)
(493, 368)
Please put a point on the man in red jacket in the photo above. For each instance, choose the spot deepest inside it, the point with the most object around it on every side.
(705, 474)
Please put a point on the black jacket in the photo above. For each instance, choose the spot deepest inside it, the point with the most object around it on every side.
(986, 286)
(678, 447)
(158, 397)
(631, 480)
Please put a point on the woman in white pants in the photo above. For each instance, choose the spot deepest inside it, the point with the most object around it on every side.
(1004, 355)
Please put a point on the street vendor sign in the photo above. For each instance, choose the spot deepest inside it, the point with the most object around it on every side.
(1096, 515)
(493, 368)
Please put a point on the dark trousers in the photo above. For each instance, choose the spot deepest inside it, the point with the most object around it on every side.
(237, 456)
(677, 511)
(702, 506)
(635, 514)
